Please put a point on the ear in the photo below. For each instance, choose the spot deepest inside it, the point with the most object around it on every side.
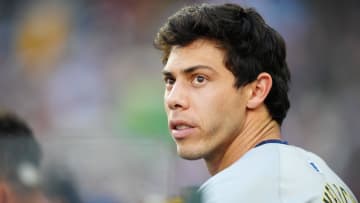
(259, 89)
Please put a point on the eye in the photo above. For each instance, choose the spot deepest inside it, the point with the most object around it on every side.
(169, 80)
(199, 80)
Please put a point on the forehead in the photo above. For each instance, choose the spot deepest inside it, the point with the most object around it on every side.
(201, 52)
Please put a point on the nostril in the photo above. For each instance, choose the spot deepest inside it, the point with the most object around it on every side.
(174, 105)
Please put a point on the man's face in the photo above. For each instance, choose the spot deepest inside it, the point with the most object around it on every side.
(205, 111)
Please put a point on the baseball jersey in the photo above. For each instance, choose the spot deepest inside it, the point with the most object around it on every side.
(277, 173)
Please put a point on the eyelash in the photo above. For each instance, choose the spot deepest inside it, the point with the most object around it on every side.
(169, 81)
(194, 80)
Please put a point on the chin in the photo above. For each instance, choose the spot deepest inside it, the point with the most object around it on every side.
(190, 157)
(189, 154)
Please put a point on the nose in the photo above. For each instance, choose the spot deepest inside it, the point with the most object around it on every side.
(176, 97)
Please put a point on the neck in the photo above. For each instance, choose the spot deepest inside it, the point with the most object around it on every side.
(257, 128)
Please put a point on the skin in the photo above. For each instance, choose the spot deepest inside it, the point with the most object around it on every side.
(208, 116)
(9, 195)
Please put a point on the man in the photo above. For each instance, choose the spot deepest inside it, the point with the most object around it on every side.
(226, 81)
(20, 156)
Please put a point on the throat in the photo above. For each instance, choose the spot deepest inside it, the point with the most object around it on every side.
(251, 136)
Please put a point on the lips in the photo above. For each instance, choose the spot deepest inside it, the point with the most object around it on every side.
(181, 129)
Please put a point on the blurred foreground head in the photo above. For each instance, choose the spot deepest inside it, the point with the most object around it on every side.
(20, 157)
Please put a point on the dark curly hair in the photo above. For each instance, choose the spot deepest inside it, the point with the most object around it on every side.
(251, 46)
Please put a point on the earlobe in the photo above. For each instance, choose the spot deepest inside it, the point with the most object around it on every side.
(260, 88)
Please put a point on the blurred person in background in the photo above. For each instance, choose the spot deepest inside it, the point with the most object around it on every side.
(20, 157)
(60, 185)
(226, 96)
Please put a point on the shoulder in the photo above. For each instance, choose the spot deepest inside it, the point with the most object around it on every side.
(275, 173)
(250, 179)
(306, 175)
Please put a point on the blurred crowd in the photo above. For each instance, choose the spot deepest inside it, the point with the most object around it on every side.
(86, 77)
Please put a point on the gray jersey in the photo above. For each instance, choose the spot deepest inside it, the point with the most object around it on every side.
(277, 173)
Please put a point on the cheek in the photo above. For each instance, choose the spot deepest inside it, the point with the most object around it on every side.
(225, 104)
(212, 111)
(166, 108)
(229, 109)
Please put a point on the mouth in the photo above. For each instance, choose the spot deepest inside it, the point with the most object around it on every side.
(181, 129)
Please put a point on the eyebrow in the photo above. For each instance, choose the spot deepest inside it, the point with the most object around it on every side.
(190, 69)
